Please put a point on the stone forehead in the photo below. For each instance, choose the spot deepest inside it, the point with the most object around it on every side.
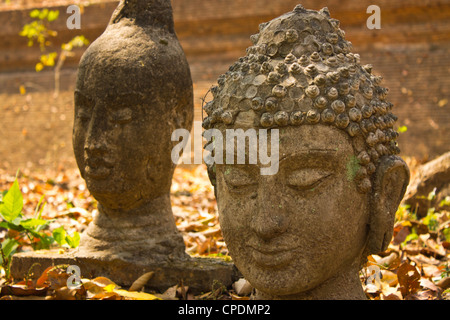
(300, 71)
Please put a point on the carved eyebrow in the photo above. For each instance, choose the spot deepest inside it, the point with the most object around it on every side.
(309, 152)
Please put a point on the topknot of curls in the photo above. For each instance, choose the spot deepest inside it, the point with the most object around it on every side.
(301, 71)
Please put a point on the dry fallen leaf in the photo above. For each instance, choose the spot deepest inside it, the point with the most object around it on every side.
(408, 278)
(141, 281)
(135, 295)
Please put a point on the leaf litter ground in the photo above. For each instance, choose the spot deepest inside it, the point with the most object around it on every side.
(414, 267)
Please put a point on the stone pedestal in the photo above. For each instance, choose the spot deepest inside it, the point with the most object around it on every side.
(198, 274)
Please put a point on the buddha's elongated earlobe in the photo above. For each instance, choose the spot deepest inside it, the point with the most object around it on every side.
(390, 182)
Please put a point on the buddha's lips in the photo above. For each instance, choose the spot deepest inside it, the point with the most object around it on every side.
(98, 168)
(97, 173)
(96, 162)
(272, 256)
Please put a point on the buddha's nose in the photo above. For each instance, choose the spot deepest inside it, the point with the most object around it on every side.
(271, 218)
(95, 141)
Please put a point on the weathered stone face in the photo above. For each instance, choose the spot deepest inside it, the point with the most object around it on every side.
(304, 231)
(127, 103)
(133, 90)
(291, 231)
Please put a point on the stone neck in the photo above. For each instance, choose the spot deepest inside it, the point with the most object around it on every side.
(149, 210)
(156, 13)
(146, 231)
(345, 285)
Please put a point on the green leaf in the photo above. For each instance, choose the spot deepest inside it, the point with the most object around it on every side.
(43, 14)
(74, 240)
(12, 203)
(32, 223)
(445, 202)
(39, 67)
(52, 15)
(2, 195)
(446, 233)
(409, 237)
(45, 242)
(432, 195)
(9, 246)
(39, 208)
(35, 13)
(59, 234)
(11, 226)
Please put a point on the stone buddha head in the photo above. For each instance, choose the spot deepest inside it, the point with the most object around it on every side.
(133, 90)
(306, 230)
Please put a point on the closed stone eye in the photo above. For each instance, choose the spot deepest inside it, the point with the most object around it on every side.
(307, 179)
(122, 116)
(237, 179)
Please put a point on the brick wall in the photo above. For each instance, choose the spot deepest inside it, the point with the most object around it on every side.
(411, 52)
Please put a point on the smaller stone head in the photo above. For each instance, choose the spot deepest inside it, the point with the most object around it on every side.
(306, 230)
(133, 89)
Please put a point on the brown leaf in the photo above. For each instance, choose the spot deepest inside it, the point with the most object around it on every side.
(444, 284)
(42, 281)
(102, 282)
(424, 295)
(431, 271)
(169, 294)
(391, 296)
(64, 293)
(401, 235)
(391, 261)
(22, 290)
(236, 297)
(425, 283)
(141, 281)
(58, 278)
(422, 259)
(389, 277)
(182, 291)
(408, 278)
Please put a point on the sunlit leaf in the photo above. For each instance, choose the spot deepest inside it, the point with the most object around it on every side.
(9, 246)
(32, 223)
(43, 14)
(52, 15)
(136, 295)
(12, 203)
(103, 282)
(34, 13)
(74, 240)
(59, 234)
(39, 67)
(402, 129)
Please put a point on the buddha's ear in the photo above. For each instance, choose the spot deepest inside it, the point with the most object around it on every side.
(390, 182)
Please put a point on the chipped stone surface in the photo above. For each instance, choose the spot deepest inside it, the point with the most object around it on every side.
(304, 231)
